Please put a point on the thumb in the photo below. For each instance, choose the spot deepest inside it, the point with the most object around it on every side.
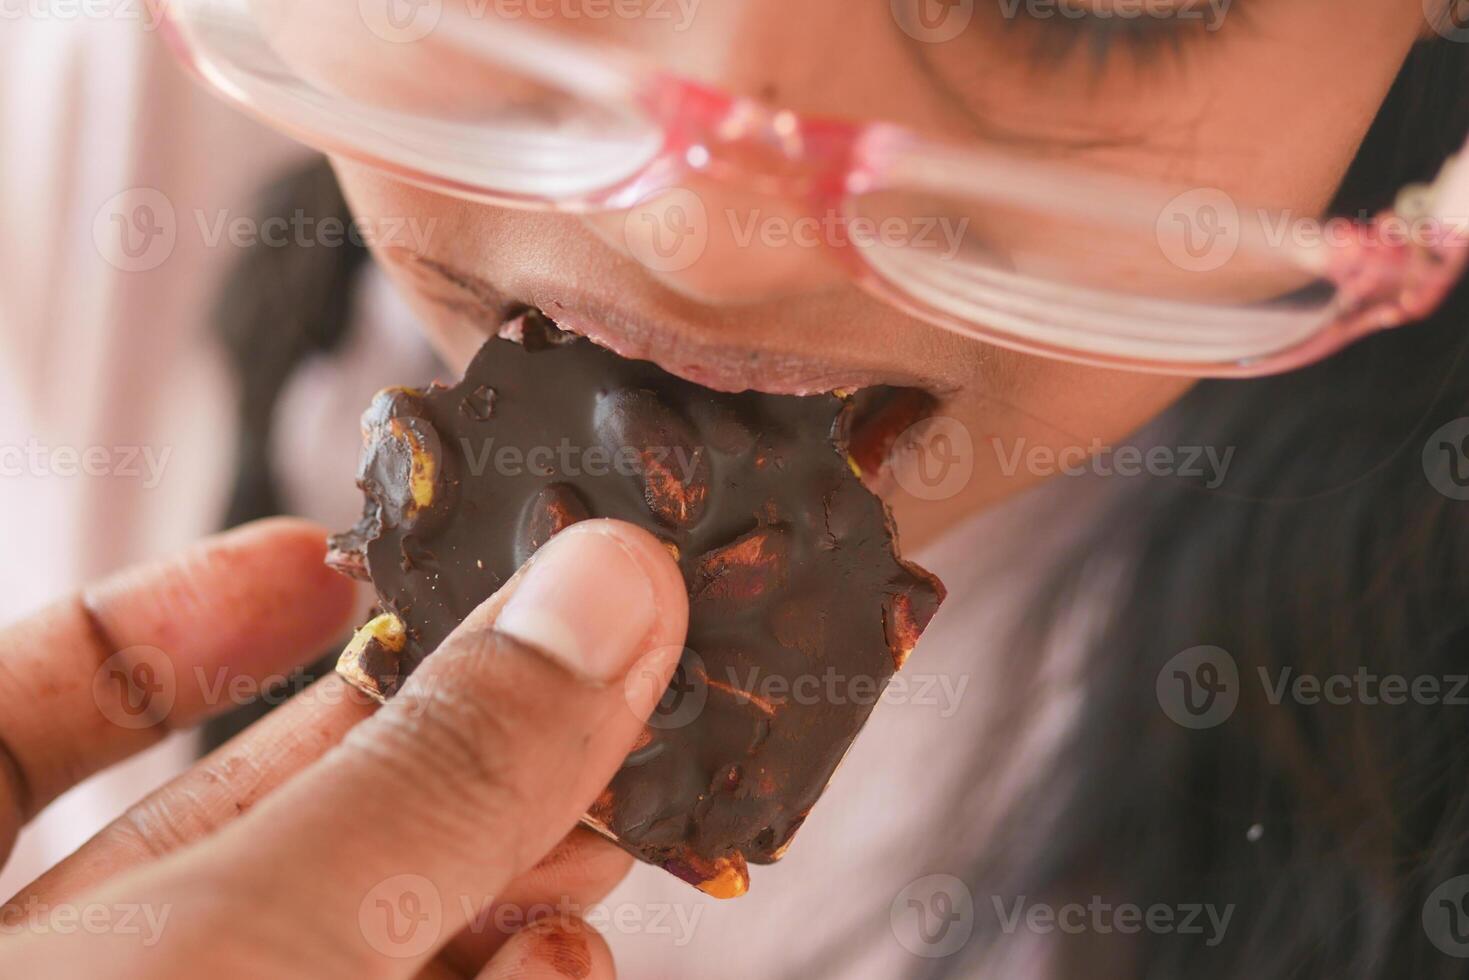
(374, 857)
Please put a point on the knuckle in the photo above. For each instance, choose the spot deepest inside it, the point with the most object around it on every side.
(461, 744)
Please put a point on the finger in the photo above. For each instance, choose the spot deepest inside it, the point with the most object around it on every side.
(576, 875)
(372, 858)
(102, 675)
(553, 949)
(215, 791)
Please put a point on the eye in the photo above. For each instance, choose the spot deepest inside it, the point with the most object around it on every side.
(1144, 31)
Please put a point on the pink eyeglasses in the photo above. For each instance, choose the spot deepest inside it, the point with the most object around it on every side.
(990, 242)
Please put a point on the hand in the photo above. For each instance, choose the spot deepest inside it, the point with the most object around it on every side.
(334, 838)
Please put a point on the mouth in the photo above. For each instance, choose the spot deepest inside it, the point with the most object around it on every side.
(708, 358)
(721, 366)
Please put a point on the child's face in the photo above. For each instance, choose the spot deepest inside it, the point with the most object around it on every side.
(1265, 99)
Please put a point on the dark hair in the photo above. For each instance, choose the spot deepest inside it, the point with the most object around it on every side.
(1326, 551)
(280, 303)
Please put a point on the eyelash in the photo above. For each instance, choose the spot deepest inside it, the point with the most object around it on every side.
(1144, 40)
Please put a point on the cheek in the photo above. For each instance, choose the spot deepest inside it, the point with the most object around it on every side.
(1023, 422)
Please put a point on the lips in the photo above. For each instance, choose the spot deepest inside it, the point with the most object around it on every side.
(713, 365)
(707, 358)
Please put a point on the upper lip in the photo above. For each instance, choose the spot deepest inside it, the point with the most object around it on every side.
(712, 363)
(707, 358)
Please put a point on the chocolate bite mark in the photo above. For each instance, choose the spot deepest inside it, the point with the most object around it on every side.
(791, 565)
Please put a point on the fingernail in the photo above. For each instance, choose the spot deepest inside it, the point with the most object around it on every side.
(585, 601)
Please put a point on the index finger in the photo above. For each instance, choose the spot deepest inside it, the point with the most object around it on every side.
(488, 756)
(106, 673)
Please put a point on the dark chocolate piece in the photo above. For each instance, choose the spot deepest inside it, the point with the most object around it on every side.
(800, 608)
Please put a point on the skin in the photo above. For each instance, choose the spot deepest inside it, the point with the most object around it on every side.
(1261, 109)
(266, 850)
(271, 856)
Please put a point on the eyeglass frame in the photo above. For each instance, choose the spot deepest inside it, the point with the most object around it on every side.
(1382, 280)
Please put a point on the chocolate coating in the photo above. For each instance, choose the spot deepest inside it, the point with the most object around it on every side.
(800, 608)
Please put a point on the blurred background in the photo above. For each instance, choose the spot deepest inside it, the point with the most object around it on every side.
(148, 233)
